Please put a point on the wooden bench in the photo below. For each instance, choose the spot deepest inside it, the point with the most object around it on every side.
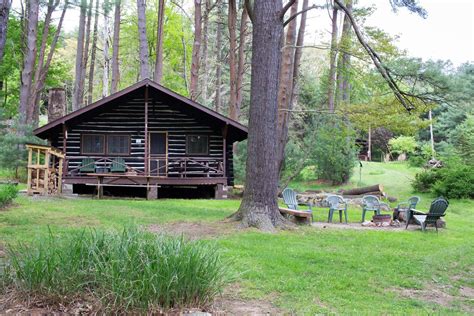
(299, 216)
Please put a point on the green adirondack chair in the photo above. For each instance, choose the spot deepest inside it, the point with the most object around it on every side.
(437, 210)
(336, 203)
(289, 197)
(118, 165)
(87, 165)
(370, 203)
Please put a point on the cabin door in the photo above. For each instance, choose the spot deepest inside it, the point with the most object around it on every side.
(158, 152)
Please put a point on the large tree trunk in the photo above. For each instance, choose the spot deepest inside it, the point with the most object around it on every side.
(259, 207)
(241, 65)
(285, 85)
(37, 85)
(29, 63)
(204, 61)
(90, 90)
(159, 43)
(4, 13)
(43, 71)
(115, 49)
(144, 68)
(196, 50)
(231, 25)
(77, 92)
(86, 49)
(106, 70)
(343, 68)
(332, 62)
(220, 30)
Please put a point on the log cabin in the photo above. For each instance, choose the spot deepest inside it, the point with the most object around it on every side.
(149, 139)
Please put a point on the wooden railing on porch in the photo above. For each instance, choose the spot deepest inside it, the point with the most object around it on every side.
(182, 167)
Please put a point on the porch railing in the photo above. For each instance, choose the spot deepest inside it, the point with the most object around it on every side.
(183, 167)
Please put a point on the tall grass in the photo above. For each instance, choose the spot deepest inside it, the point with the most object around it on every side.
(128, 270)
(8, 192)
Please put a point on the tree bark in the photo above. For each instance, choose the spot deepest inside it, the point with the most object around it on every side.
(332, 62)
(5, 6)
(259, 207)
(106, 70)
(115, 49)
(28, 63)
(159, 43)
(77, 92)
(343, 68)
(196, 50)
(38, 81)
(285, 85)
(86, 49)
(231, 26)
(241, 65)
(144, 68)
(204, 54)
(90, 89)
(220, 30)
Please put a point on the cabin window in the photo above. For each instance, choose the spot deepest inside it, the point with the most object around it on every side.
(93, 144)
(118, 144)
(197, 144)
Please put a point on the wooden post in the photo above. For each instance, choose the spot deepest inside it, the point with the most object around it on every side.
(224, 149)
(46, 172)
(30, 157)
(431, 135)
(60, 176)
(146, 132)
(64, 166)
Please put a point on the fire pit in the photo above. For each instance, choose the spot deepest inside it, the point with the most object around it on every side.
(382, 220)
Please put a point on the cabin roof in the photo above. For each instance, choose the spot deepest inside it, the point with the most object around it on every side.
(236, 131)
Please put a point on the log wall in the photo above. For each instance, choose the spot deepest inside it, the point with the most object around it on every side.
(128, 118)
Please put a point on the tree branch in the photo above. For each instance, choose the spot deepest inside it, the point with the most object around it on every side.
(399, 94)
(286, 8)
(314, 6)
(249, 7)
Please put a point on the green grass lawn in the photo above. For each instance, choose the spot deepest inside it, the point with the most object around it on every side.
(308, 270)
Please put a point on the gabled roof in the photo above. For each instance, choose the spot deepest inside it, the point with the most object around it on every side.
(238, 129)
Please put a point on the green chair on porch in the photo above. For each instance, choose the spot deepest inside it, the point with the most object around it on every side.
(118, 165)
(289, 197)
(87, 165)
(437, 210)
(336, 203)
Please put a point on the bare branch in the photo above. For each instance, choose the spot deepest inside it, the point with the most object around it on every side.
(314, 6)
(286, 8)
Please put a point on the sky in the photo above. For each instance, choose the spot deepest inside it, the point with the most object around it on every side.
(446, 33)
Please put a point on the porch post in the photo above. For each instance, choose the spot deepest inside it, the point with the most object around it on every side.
(64, 169)
(224, 149)
(146, 130)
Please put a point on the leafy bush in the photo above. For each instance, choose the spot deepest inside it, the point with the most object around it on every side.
(333, 150)
(7, 194)
(403, 145)
(455, 182)
(425, 180)
(128, 270)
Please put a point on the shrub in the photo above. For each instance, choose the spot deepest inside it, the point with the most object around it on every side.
(7, 194)
(128, 270)
(333, 150)
(455, 182)
(425, 180)
(403, 145)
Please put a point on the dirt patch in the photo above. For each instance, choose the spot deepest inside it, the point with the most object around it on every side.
(358, 226)
(438, 294)
(195, 230)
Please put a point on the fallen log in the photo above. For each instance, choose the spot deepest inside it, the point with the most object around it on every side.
(365, 190)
